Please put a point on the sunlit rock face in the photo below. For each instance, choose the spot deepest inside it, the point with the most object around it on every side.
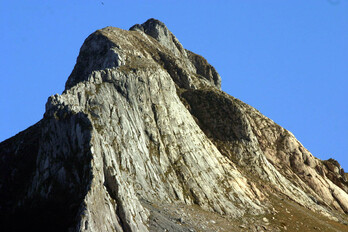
(142, 132)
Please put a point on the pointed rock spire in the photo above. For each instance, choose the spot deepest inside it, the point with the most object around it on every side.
(159, 31)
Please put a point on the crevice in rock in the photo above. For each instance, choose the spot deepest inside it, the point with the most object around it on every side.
(111, 186)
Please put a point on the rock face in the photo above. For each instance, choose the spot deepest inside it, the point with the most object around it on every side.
(143, 131)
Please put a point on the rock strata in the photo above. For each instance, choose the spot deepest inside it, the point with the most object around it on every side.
(142, 135)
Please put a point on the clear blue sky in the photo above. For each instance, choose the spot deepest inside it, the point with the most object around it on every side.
(289, 59)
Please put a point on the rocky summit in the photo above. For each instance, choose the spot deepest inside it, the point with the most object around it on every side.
(143, 139)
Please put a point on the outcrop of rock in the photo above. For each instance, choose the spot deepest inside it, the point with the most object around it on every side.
(142, 132)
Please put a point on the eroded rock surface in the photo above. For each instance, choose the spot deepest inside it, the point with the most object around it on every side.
(142, 124)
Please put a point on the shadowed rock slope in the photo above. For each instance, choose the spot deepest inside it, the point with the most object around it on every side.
(143, 139)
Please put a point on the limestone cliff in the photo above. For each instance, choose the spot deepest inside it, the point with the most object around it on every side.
(143, 139)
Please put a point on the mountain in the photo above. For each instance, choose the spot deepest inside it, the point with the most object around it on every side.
(143, 139)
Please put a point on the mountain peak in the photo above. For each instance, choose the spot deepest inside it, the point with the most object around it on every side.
(152, 27)
(149, 25)
(159, 31)
(143, 139)
(145, 45)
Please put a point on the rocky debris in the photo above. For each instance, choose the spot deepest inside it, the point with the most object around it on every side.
(143, 139)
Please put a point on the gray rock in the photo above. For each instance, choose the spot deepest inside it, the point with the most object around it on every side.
(142, 121)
